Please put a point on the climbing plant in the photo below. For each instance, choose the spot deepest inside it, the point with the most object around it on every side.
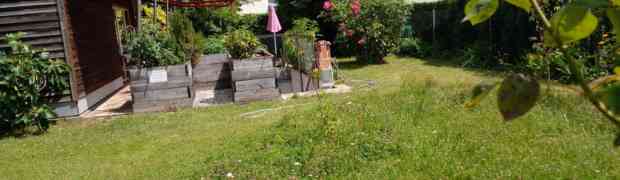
(574, 21)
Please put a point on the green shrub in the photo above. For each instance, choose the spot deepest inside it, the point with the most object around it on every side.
(414, 47)
(29, 82)
(253, 22)
(153, 46)
(376, 28)
(192, 43)
(298, 45)
(551, 65)
(216, 22)
(478, 55)
(215, 45)
(241, 44)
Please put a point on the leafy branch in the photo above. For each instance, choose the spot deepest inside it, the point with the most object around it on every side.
(574, 67)
(575, 21)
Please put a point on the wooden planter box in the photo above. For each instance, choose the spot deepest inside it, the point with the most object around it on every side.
(302, 82)
(213, 72)
(161, 88)
(254, 79)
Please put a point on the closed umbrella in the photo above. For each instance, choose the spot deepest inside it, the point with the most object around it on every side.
(273, 26)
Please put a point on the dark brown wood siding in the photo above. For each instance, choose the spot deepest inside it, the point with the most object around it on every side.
(97, 48)
(38, 19)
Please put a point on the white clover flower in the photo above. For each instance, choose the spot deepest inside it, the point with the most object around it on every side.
(230, 175)
(297, 164)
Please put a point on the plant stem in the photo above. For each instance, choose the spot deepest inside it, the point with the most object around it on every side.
(574, 68)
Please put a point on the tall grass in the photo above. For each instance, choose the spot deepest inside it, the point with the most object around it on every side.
(423, 131)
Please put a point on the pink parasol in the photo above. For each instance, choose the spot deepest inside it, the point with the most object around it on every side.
(273, 25)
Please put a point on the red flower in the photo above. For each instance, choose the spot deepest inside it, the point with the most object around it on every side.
(328, 5)
(356, 7)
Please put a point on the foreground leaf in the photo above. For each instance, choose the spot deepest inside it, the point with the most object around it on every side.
(614, 16)
(617, 141)
(610, 96)
(570, 24)
(479, 93)
(600, 82)
(517, 96)
(592, 3)
(477, 11)
(523, 4)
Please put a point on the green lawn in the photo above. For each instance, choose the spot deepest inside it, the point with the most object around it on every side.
(404, 120)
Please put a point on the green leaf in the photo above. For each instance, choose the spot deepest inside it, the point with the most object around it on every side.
(617, 141)
(615, 2)
(570, 24)
(477, 11)
(614, 16)
(592, 3)
(480, 92)
(523, 4)
(610, 96)
(602, 81)
(517, 95)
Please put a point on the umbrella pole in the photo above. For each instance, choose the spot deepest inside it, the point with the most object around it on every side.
(275, 45)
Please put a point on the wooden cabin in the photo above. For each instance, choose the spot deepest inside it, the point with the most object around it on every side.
(83, 33)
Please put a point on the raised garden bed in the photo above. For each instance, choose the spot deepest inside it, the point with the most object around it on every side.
(161, 88)
(254, 79)
(213, 72)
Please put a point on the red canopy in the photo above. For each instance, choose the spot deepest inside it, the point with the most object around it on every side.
(201, 3)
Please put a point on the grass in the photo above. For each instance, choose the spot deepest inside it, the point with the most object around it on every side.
(405, 120)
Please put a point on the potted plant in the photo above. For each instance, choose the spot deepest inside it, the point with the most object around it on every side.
(253, 72)
(160, 76)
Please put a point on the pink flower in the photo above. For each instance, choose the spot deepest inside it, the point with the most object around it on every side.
(349, 32)
(328, 5)
(362, 41)
(356, 7)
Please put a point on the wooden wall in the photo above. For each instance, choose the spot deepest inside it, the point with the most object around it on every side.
(38, 19)
(97, 48)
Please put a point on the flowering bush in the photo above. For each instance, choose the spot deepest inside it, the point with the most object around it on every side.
(375, 25)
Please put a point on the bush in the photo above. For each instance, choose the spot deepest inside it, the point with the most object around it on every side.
(414, 47)
(552, 65)
(192, 43)
(478, 55)
(216, 22)
(153, 46)
(375, 26)
(241, 44)
(298, 44)
(29, 81)
(215, 45)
